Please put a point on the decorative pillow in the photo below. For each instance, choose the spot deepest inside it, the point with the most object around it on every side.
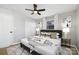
(47, 42)
(45, 35)
(53, 35)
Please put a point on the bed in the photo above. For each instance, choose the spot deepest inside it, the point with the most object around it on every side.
(47, 43)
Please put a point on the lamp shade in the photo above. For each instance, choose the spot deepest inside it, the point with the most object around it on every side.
(66, 30)
(37, 29)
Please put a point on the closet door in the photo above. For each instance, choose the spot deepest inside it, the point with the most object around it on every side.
(6, 30)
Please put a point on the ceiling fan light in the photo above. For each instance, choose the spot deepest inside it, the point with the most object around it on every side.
(35, 12)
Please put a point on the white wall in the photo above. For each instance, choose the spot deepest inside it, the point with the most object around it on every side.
(77, 26)
(19, 26)
(44, 23)
(30, 26)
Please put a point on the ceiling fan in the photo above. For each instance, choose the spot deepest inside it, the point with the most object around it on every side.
(35, 10)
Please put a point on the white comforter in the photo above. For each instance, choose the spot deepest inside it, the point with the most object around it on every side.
(42, 48)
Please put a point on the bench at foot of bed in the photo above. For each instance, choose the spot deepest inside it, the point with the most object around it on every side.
(29, 50)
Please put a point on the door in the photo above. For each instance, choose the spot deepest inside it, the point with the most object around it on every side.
(6, 30)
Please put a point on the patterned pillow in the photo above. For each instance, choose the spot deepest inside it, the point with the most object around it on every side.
(53, 35)
(47, 42)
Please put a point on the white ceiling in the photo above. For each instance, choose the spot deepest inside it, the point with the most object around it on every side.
(51, 9)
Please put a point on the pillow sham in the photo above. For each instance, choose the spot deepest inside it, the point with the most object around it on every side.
(53, 35)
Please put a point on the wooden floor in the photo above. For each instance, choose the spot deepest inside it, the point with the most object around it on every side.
(3, 51)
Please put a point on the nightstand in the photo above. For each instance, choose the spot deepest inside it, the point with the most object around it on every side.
(66, 42)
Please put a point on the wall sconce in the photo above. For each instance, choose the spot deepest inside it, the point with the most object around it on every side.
(37, 31)
(66, 30)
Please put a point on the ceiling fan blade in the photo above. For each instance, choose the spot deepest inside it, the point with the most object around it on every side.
(29, 9)
(41, 10)
(38, 13)
(32, 13)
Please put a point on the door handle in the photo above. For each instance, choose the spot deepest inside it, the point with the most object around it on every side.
(11, 31)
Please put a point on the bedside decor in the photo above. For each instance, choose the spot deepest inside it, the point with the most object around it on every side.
(66, 25)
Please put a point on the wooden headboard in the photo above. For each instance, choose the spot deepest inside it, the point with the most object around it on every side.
(52, 31)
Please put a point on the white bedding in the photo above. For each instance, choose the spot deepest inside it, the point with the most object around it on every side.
(41, 48)
(47, 50)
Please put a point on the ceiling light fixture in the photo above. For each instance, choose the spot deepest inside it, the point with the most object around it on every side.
(35, 12)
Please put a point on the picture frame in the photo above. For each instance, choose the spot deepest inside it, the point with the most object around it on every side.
(50, 24)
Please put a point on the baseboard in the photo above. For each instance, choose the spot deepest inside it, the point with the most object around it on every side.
(13, 44)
